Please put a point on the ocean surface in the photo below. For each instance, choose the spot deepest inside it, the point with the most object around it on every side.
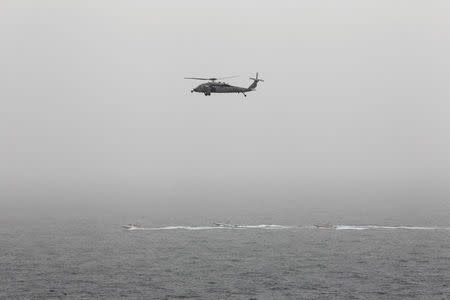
(95, 258)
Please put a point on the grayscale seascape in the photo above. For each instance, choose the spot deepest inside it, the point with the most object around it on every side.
(94, 258)
(225, 131)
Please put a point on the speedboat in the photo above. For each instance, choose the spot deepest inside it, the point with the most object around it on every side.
(131, 226)
(326, 226)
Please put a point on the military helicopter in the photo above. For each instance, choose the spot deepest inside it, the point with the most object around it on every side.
(214, 86)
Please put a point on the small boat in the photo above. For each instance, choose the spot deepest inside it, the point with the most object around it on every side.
(326, 226)
(131, 226)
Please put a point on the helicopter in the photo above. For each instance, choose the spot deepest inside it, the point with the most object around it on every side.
(214, 86)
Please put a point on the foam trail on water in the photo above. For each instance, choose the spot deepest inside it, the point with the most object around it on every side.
(262, 226)
(281, 227)
(350, 227)
(365, 227)
(178, 227)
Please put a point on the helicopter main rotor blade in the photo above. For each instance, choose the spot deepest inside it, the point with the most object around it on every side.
(227, 77)
(197, 78)
(210, 79)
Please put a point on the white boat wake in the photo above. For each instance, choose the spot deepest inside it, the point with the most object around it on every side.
(262, 226)
(179, 227)
(281, 227)
(366, 227)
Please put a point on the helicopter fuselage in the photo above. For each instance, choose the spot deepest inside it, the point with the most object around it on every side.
(219, 87)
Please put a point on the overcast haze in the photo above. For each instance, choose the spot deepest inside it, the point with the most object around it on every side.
(354, 107)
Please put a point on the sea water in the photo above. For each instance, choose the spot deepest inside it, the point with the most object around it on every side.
(87, 257)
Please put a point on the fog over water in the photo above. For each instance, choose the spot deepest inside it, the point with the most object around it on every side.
(350, 125)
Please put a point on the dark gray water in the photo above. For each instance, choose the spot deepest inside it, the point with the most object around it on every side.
(94, 258)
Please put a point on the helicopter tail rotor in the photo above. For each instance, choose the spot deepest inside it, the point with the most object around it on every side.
(256, 79)
(255, 82)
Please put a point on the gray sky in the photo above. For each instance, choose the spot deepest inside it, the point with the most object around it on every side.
(356, 94)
